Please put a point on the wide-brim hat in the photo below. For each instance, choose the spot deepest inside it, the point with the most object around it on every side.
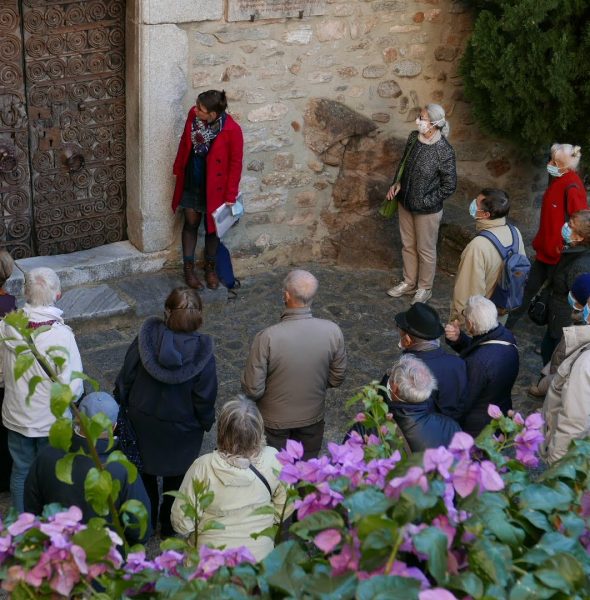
(420, 321)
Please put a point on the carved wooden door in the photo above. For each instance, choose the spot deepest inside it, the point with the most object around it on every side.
(74, 112)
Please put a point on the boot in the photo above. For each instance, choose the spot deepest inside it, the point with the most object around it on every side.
(210, 275)
(191, 278)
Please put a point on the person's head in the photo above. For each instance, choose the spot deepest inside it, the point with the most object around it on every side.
(6, 266)
(579, 295)
(576, 232)
(42, 287)
(240, 429)
(99, 402)
(211, 104)
(491, 203)
(183, 310)
(419, 322)
(564, 158)
(299, 288)
(432, 117)
(481, 315)
(411, 380)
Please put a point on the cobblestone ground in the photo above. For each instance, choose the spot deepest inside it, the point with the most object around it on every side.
(356, 300)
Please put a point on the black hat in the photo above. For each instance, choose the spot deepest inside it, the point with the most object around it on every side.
(420, 321)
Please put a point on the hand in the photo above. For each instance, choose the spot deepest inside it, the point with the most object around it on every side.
(453, 331)
(393, 191)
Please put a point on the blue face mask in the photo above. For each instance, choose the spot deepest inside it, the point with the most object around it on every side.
(573, 303)
(586, 314)
(553, 170)
(566, 233)
(473, 208)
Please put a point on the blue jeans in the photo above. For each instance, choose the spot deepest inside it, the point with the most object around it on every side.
(23, 450)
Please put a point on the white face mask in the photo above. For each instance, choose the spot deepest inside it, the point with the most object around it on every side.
(424, 125)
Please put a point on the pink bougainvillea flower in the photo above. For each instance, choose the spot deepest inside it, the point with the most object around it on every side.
(168, 560)
(79, 556)
(360, 417)
(402, 570)
(211, 560)
(65, 577)
(289, 473)
(465, 477)
(373, 440)
(327, 540)
(292, 452)
(436, 594)
(534, 421)
(517, 418)
(414, 476)
(442, 522)
(461, 444)
(237, 556)
(527, 444)
(136, 562)
(494, 411)
(349, 557)
(438, 459)
(24, 522)
(489, 478)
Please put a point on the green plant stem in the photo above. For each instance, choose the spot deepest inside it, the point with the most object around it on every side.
(518, 570)
(278, 536)
(393, 555)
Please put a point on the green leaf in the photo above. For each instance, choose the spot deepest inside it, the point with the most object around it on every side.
(60, 434)
(527, 588)
(387, 587)
(63, 467)
(535, 518)
(116, 456)
(282, 568)
(79, 375)
(467, 582)
(212, 524)
(60, 399)
(568, 568)
(95, 541)
(134, 515)
(269, 532)
(22, 364)
(498, 522)
(97, 489)
(433, 542)
(263, 510)
(324, 519)
(33, 383)
(321, 584)
(168, 585)
(546, 499)
(489, 561)
(370, 501)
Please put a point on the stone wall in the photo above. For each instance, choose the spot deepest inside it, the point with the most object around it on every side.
(326, 103)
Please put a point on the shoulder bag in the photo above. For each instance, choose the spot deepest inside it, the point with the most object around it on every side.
(388, 207)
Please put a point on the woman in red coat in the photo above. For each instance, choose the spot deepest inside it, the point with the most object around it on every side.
(208, 168)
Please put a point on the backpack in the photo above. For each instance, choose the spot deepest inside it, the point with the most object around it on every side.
(509, 291)
(224, 268)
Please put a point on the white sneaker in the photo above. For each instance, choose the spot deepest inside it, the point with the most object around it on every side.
(401, 289)
(421, 295)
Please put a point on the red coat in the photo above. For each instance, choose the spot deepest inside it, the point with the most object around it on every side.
(548, 243)
(224, 165)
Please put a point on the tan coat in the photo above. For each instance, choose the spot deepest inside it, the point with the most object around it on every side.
(567, 404)
(481, 265)
(238, 492)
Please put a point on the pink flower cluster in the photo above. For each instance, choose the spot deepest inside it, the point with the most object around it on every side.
(62, 564)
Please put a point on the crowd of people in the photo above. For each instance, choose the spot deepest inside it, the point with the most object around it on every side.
(443, 382)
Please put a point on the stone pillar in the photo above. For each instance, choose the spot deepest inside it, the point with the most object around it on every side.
(156, 74)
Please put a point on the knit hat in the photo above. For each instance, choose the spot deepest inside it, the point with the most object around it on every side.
(581, 288)
(99, 402)
(420, 321)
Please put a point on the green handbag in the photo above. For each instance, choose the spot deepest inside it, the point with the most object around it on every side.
(388, 207)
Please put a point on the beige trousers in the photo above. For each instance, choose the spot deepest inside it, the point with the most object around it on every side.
(419, 235)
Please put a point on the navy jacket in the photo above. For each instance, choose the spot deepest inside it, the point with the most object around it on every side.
(491, 372)
(169, 381)
(451, 375)
(422, 426)
(43, 487)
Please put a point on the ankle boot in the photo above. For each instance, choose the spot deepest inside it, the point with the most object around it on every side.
(210, 275)
(190, 277)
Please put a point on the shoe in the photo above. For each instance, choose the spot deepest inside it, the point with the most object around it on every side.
(190, 277)
(401, 289)
(422, 295)
(211, 278)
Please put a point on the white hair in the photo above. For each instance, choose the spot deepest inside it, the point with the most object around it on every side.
(567, 154)
(482, 314)
(301, 285)
(42, 286)
(436, 114)
(414, 380)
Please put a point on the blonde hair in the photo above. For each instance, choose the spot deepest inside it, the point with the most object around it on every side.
(6, 266)
(42, 286)
(240, 429)
(570, 154)
(183, 310)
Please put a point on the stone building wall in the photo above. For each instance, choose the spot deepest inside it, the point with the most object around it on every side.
(326, 103)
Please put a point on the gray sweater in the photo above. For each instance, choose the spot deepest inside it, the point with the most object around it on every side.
(290, 366)
(429, 177)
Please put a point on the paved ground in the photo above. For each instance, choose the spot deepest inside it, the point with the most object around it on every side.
(355, 300)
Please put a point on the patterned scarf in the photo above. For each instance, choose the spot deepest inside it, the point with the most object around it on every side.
(203, 134)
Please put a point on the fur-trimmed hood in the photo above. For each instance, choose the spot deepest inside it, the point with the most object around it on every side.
(172, 357)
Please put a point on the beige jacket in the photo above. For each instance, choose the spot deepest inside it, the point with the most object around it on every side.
(481, 265)
(290, 366)
(567, 404)
(238, 493)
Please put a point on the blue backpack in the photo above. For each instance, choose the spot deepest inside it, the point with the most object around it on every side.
(509, 291)
(225, 269)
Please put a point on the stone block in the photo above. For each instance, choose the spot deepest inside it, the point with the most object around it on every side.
(209, 60)
(389, 89)
(330, 30)
(270, 112)
(418, 17)
(160, 12)
(293, 94)
(355, 91)
(205, 39)
(407, 68)
(249, 184)
(265, 201)
(381, 117)
(234, 94)
(289, 179)
(283, 161)
(202, 78)
(255, 165)
(498, 167)
(347, 72)
(316, 166)
(234, 72)
(92, 302)
(295, 68)
(446, 53)
(228, 35)
(319, 77)
(374, 71)
(404, 28)
(389, 55)
(389, 6)
(471, 151)
(305, 199)
(255, 97)
(239, 10)
(298, 37)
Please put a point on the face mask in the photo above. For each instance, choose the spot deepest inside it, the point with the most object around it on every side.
(553, 171)
(572, 302)
(586, 314)
(566, 233)
(473, 208)
(423, 126)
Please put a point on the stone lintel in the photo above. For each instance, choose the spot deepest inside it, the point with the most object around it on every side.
(156, 12)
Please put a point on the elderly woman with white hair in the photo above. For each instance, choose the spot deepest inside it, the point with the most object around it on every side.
(490, 353)
(425, 177)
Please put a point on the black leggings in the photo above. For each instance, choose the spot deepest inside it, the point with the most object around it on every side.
(192, 220)
(170, 484)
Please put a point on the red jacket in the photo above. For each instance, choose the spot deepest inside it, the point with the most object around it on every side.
(548, 243)
(224, 165)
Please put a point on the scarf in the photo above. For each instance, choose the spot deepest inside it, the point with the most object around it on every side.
(420, 345)
(436, 136)
(203, 134)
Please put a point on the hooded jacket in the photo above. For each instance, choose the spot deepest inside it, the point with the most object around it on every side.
(169, 382)
(567, 404)
(34, 419)
(238, 492)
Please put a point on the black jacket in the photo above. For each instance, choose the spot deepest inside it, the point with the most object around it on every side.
(574, 261)
(169, 381)
(492, 369)
(43, 487)
(429, 177)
